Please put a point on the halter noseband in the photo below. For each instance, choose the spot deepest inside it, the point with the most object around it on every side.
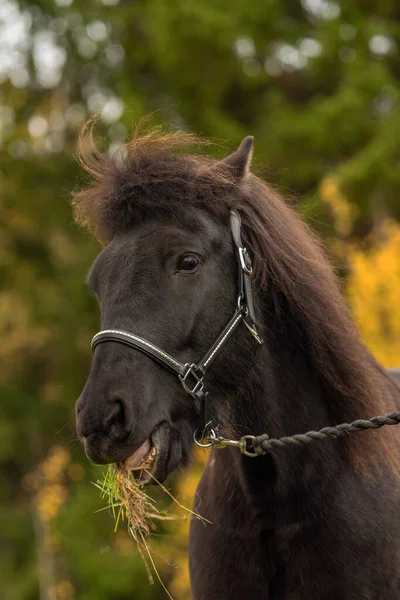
(192, 375)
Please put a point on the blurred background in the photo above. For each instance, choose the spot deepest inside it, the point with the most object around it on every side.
(317, 82)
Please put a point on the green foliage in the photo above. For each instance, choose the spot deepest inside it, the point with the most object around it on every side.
(315, 82)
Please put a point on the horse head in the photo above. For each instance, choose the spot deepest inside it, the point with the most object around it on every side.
(167, 277)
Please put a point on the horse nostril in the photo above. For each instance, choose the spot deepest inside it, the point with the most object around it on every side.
(115, 422)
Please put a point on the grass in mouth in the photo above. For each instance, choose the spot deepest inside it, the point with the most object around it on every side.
(127, 502)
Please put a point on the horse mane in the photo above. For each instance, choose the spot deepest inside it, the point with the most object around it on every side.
(153, 174)
(294, 272)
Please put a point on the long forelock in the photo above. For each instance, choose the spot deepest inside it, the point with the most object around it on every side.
(152, 175)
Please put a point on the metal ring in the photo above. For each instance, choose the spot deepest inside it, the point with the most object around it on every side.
(199, 443)
(211, 435)
(243, 446)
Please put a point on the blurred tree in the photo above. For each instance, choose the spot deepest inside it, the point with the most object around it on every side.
(317, 83)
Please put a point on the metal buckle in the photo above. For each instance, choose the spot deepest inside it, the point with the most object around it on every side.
(191, 370)
(243, 255)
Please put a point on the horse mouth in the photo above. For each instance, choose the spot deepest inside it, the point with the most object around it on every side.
(143, 460)
(148, 461)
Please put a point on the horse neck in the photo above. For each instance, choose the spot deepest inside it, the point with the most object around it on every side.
(285, 393)
(284, 396)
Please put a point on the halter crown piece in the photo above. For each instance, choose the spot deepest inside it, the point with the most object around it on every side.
(192, 375)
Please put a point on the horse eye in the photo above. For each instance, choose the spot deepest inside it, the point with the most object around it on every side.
(188, 263)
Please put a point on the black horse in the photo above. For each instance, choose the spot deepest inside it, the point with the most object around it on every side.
(320, 522)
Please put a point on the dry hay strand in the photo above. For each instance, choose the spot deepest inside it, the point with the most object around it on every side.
(126, 500)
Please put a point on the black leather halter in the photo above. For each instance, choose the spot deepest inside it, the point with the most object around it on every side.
(192, 375)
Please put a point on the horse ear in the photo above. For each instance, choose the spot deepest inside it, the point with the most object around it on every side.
(240, 159)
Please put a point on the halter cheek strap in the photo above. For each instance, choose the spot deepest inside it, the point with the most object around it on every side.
(245, 270)
(192, 375)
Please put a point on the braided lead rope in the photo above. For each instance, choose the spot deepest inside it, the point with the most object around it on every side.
(262, 443)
